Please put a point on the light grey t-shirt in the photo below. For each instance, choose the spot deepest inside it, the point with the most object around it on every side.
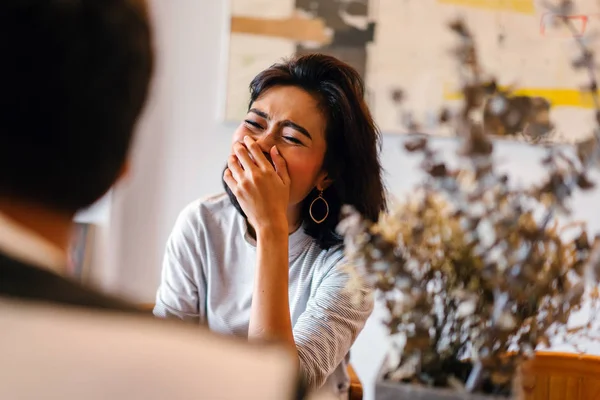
(208, 275)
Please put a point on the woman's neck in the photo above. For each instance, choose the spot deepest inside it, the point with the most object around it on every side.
(293, 217)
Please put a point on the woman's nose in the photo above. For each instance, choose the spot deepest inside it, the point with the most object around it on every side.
(266, 142)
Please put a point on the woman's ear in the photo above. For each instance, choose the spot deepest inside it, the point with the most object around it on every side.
(324, 181)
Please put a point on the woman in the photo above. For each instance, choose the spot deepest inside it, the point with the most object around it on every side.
(264, 261)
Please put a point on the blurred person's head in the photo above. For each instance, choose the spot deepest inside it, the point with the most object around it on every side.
(74, 78)
(313, 109)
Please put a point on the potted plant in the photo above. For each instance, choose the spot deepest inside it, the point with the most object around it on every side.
(475, 272)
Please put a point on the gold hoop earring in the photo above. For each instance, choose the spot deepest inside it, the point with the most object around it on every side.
(310, 209)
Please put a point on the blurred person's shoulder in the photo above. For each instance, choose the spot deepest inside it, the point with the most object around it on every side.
(28, 282)
(70, 353)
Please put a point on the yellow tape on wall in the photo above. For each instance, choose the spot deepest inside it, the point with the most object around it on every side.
(518, 6)
(557, 97)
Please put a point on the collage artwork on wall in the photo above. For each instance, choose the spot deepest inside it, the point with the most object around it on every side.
(405, 44)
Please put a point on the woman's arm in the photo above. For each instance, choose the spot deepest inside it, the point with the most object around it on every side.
(270, 313)
(263, 191)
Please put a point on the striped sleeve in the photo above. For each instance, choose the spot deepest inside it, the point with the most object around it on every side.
(334, 316)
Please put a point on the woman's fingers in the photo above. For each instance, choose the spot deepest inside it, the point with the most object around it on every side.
(230, 180)
(280, 165)
(257, 154)
(234, 167)
(244, 157)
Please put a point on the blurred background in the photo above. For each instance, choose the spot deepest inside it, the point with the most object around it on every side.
(208, 51)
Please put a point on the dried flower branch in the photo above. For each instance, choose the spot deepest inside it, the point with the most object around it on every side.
(476, 273)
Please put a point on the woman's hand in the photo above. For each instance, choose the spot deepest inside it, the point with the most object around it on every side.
(263, 191)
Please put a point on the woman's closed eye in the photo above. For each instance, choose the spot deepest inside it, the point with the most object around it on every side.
(286, 136)
(253, 124)
(292, 139)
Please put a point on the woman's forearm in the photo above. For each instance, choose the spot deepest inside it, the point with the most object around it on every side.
(270, 312)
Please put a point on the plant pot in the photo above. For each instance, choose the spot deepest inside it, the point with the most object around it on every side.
(388, 390)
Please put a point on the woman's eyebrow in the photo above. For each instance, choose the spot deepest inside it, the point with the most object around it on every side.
(297, 127)
(259, 113)
(286, 123)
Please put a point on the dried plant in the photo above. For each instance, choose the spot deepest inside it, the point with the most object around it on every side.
(476, 273)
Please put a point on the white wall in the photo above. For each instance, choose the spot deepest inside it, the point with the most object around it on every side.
(182, 146)
(99, 214)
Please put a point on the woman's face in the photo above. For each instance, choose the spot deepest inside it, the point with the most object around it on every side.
(288, 117)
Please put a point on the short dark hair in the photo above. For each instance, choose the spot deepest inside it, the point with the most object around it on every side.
(353, 139)
(74, 78)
